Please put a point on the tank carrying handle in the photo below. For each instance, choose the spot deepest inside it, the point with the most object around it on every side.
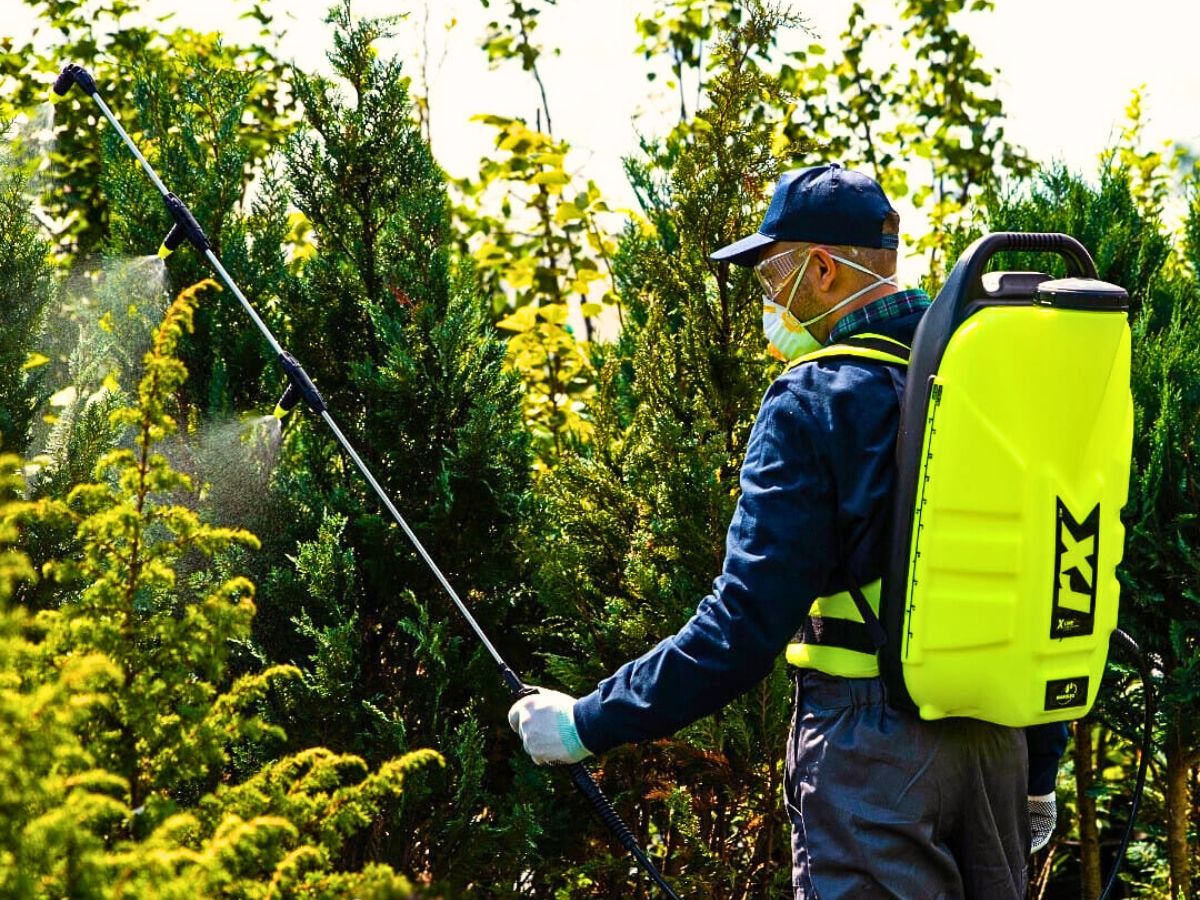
(965, 284)
(1079, 261)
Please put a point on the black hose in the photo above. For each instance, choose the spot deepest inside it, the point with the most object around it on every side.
(604, 810)
(1125, 642)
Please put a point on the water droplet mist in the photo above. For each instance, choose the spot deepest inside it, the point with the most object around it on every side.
(231, 462)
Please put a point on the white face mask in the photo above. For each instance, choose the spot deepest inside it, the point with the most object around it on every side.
(788, 337)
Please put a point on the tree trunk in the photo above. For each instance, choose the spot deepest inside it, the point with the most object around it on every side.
(1179, 811)
(1089, 832)
(1194, 780)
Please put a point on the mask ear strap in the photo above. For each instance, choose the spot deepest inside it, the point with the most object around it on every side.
(870, 287)
(795, 284)
(879, 279)
(852, 264)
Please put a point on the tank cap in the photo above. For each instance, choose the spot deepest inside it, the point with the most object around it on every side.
(1082, 293)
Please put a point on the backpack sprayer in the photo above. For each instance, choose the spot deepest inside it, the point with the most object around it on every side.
(999, 597)
(300, 387)
(999, 593)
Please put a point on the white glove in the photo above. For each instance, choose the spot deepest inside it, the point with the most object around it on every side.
(546, 723)
(1043, 814)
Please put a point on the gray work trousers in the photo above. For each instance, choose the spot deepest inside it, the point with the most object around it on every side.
(884, 804)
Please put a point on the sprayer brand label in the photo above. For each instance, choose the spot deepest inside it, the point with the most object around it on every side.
(1063, 693)
(1078, 542)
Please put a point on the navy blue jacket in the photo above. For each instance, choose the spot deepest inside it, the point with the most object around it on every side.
(816, 485)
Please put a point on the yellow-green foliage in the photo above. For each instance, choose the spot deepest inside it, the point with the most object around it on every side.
(50, 796)
(117, 713)
(546, 253)
(169, 648)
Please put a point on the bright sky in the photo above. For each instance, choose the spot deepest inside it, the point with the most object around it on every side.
(1066, 69)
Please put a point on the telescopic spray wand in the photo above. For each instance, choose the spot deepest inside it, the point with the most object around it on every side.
(301, 387)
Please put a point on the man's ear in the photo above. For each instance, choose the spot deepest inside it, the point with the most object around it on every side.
(824, 268)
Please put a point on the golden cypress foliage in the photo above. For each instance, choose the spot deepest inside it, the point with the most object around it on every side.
(119, 714)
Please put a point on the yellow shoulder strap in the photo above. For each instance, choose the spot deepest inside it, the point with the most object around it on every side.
(878, 347)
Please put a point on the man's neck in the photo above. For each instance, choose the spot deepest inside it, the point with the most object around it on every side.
(869, 297)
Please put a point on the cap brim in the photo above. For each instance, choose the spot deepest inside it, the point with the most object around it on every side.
(743, 252)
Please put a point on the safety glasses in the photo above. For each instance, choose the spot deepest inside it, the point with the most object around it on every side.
(774, 270)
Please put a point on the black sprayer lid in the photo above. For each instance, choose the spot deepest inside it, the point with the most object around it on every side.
(1082, 293)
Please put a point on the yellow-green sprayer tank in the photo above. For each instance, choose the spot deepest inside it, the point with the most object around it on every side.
(1000, 593)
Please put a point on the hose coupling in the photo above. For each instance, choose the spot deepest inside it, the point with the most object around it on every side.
(185, 228)
(299, 386)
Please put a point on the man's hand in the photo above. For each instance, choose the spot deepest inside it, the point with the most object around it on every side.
(546, 723)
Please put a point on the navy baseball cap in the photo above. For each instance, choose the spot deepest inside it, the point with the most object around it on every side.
(820, 205)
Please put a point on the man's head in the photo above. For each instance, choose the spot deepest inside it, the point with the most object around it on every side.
(825, 205)
(828, 238)
(824, 280)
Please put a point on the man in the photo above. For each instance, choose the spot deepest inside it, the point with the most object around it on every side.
(881, 803)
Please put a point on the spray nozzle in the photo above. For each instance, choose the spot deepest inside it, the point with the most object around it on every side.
(72, 74)
(185, 228)
(171, 242)
(300, 386)
(291, 396)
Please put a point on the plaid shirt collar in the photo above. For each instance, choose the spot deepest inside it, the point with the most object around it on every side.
(893, 306)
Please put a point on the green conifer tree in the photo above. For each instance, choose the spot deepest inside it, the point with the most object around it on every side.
(26, 288)
(401, 344)
(169, 647)
(630, 534)
(51, 794)
(189, 115)
(1161, 571)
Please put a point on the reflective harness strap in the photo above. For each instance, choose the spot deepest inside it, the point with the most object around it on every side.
(878, 347)
(836, 638)
(842, 632)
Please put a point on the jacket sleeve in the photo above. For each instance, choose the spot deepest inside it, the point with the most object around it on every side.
(1047, 744)
(778, 555)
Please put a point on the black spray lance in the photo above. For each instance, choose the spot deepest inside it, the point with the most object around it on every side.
(301, 387)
